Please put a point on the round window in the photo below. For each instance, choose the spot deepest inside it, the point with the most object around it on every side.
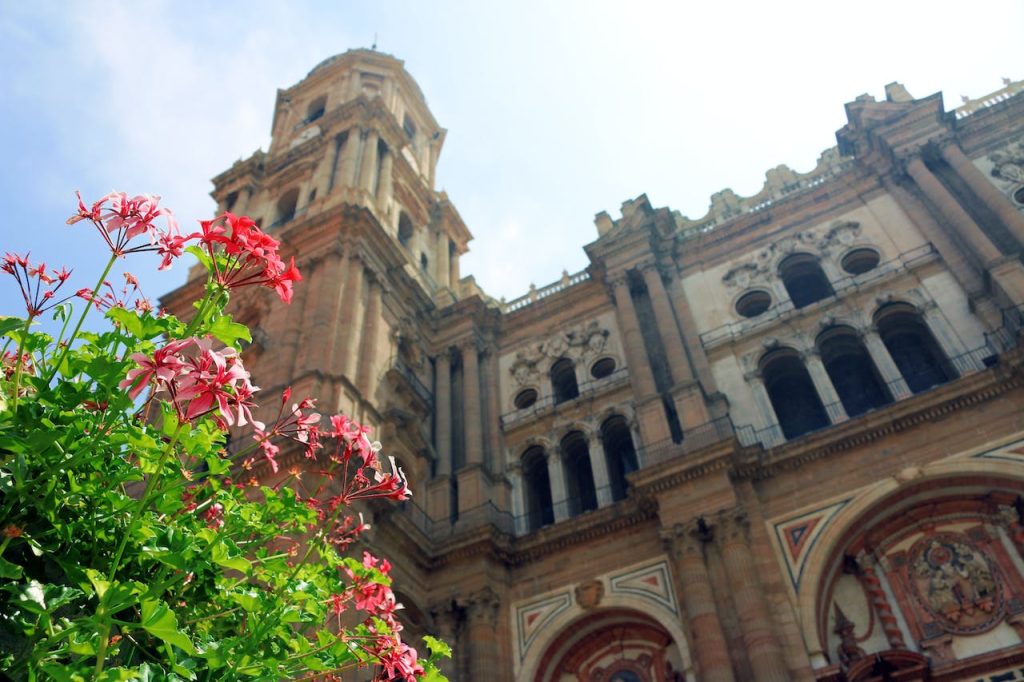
(1018, 196)
(753, 303)
(602, 368)
(525, 398)
(860, 261)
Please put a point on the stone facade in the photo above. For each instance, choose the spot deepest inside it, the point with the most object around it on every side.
(783, 441)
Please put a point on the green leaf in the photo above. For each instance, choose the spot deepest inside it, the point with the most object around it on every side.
(219, 555)
(228, 332)
(9, 324)
(9, 570)
(159, 621)
(437, 647)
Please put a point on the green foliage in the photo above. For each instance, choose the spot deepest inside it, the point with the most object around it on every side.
(128, 549)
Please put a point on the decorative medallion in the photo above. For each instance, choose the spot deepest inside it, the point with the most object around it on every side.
(955, 582)
(589, 594)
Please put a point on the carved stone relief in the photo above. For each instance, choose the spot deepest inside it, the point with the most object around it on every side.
(1008, 162)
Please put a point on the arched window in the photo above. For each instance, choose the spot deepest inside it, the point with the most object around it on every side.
(792, 393)
(537, 489)
(912, 347)
(563, 380)
(316, 108)
(852, 371)
(620, 455)
(404, 230)
(579, 476)
(286, 206)
(804, 279)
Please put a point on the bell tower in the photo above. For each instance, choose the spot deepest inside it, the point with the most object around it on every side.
(347, 186)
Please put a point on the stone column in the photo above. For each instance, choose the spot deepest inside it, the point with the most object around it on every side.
(481, 621)
(948, 339)
(443, 413)
(633, 340)
(353, 314)
(879, 601)
(947, 204)
(951, 252)
(559, 493)
(494, 460)
(763, 648)
(443, 269)
(823, 385)
(687, 396)
(349, 156)
(368, 167)
(984, 190)
(385, 186)
(885, 365)
(471, 391)
(599, 467)
(772, 435)
(367, 362)
(707, 642)
(691, 339)
(446, 623)
(667, 327)
(454, 276)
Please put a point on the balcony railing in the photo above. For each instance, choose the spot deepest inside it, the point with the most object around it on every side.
(906, 261)
(536, 294)
(547, 403)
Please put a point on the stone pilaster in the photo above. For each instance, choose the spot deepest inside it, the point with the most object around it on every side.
(599, 467)
(633, 340)
(482, 608)
(446, 624)
(559, 492)
(353, 314)
(984, 190)
(763, 649)
(443, 412)
(368, 167)
(367, 369)
(885, 365)
(346, 175)
(385, 185)
(707, 642)
(473, 412)
(825, 388)
(947, 204)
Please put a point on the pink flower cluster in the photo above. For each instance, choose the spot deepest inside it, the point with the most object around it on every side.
(120, 219)
(251, 255)
(345, 439)
(198, 379)
(376, 599)
(38, 287)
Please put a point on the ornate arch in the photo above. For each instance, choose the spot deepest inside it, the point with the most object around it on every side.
(900, 497)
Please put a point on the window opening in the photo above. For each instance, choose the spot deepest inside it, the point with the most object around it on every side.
(578, 474)
(404, 230)
(525, 398)
(792, 394)
(912, 347)
(754, 303)
(316, 109)
(804, 280)
(860, 261)
(563, 380)
(620, 455)
(602, 368)
(539, 509)
(852, 371)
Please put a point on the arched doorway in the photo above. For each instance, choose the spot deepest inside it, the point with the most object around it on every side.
(926, 580)
(610, 645)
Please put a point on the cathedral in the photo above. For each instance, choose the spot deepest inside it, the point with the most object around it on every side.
(781, 441)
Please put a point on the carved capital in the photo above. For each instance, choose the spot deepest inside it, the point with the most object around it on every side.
(482, 607)
(733, 526)
(686, 540)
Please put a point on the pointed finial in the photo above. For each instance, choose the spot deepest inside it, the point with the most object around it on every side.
(374, 46)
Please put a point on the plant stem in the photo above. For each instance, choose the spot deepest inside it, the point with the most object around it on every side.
(81, 319)
(18, 364)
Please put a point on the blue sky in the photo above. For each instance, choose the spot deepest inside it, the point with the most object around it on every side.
(554, 110)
